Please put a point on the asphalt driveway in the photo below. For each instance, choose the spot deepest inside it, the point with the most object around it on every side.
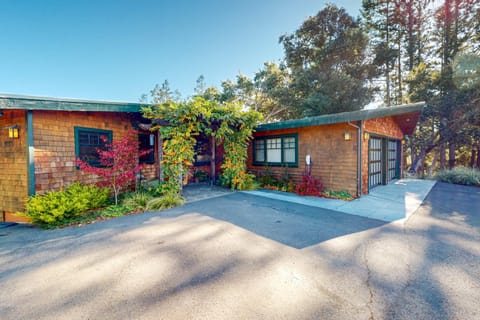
(242, 256)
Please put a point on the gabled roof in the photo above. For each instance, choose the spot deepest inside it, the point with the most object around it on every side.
(10, 102)
(406, 116)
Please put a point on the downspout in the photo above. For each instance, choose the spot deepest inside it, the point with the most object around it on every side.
(30, 154)
(359, 156)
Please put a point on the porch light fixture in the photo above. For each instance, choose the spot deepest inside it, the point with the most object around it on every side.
(1, 113)
(13, 132)
(347, 136)
(366, 136)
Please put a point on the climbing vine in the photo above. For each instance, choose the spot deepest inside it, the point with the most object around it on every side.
(181, 123)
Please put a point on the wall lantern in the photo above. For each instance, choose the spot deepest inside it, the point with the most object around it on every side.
(366, 136)
(347, 136)
(13, 132)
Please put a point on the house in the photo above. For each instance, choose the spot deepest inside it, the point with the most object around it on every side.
(353, 151)
(41, 138)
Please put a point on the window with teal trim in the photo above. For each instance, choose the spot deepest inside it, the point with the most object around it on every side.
(276, 150)
(87, 143)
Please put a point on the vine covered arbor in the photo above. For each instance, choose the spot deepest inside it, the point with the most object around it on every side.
(180, 124)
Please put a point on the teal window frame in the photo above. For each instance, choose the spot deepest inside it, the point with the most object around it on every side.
(262, 143)
(92, 132)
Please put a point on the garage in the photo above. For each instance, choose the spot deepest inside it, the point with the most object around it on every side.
(383, 161)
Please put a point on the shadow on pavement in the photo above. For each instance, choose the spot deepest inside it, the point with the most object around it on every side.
(291, 224)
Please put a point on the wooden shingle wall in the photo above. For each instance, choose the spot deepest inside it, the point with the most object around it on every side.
(334, 160)
(13, 165)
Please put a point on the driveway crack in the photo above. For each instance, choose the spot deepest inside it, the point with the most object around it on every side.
(369, 284)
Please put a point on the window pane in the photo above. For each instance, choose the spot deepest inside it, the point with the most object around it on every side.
(274, 155)
(202, 151)
(145, 144)
(274, 150)
(289, 155)
(289, 149)
(88, 142)
(259, 149)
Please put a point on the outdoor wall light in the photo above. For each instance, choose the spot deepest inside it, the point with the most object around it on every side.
(366, 136)
(347, 136)
(1, 113)
(13, 132)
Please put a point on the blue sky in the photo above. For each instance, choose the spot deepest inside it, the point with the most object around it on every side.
(119, 49)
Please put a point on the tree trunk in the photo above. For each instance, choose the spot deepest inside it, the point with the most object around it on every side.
(478, 156)
(417, 162)
(443, 156)
(451, 156)
(473, 158)
(432, 167)
(413, 151)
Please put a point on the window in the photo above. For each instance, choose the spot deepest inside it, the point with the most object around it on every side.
(278, 150)
(87, 141)
(202, 151)
(147, 142)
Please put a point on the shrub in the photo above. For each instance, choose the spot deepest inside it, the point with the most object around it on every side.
(460, 175)
(167, 201)
(267, 178)
(309, 186)
(115, 210)
(249, 183)
(342, 194)
(154, 188)
(137, 200)
(55, 208)
(201, 176)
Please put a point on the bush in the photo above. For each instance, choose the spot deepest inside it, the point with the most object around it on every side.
(460, 175)
(137, 200)
(309, 186)
(115, 211)
(55, 208)
(167, 201)
(342, 194)
(249, 183)
(267, 178)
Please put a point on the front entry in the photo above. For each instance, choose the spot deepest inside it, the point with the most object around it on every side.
(383, 161)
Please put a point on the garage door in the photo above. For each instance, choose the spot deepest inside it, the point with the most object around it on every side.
(375, 162)
(393, 163)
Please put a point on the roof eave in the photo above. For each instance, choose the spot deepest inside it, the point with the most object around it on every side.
(344, 117)
(16, 102)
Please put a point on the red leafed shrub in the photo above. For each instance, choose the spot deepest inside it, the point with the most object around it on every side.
(309, 186)
(119, 163)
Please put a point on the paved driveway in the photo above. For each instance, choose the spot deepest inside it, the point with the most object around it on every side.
(245, 257)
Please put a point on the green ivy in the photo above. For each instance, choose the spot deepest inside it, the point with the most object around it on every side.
(228, 123)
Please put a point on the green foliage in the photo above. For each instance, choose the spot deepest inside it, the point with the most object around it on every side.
(267, 177)
(201, 175)
(115, 211)
(327, 59)
(342, 194)
(460, 175)
(228, 123)
(168, 200)
(137, 200)
(268, 180)
(154, 188)
(57, 207)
